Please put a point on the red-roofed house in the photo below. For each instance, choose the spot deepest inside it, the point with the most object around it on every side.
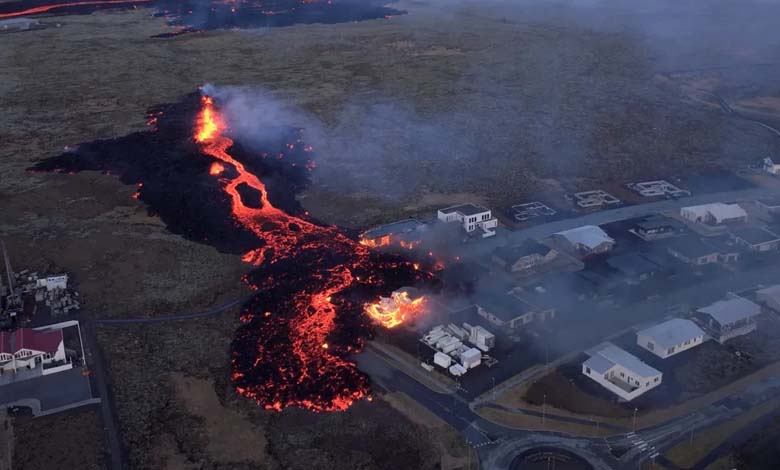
(26, 347)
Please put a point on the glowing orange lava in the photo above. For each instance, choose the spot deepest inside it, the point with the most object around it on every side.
(216, 169)
(396, 309)
(285, 235)
(45, 8)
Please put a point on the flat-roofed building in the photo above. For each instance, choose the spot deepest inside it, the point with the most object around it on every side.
(473, 217)
(509, 311)
(657, 226)
(768, 207)
(620, 372)
(693, 250)
(729, 318)
(756, 238)
(670, 337)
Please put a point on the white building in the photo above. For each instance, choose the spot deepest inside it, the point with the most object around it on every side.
(771, 167)
(670, 337)
(59, 281)
(727, 319)
(586, 240)
(716, 213)
(472, 217)
(29, 348)
(621, 373)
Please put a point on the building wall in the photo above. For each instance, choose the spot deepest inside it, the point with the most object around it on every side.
(644, 384)
(644, 341)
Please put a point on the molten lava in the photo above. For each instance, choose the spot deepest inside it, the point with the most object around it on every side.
(216, 169)
(396, 309)
(56, 6)
(310, 282)
(289, 325)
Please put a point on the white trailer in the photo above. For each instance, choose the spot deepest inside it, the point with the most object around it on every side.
(442, 360)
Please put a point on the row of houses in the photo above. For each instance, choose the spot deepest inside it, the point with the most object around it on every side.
(628, 377)
(28, 348)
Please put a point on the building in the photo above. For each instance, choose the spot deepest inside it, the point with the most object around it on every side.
(389, 233)
(656, 227)
(715, 214)
(729, 318)
(509, 311)
(770, 296)
(620, 372)
(756, 238)
(670, 337)
(633, 267)
(473, 217)
(693, 250)
(770, 166)
(26, 347)
(523, 257)
(59, 281)
(768, 207)
(586, 240)
(729, 251)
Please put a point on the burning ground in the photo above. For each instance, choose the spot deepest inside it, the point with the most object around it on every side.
(195, 15)
(313, 284)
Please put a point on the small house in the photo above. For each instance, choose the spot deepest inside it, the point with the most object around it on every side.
(727, 319)
(670, 337)
(756, 239)
(520, 258)
(586, 240)
(620, 372)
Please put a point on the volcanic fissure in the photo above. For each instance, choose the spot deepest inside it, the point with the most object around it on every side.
(315, 286)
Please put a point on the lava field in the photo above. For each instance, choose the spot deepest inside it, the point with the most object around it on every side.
(196, 15)
(312, 282)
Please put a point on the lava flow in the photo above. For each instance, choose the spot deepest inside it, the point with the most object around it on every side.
(291, 350)
(310, 282)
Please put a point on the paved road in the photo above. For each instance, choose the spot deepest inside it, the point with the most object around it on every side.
(51, 391)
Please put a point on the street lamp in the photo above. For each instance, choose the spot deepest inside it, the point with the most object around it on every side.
(544, 406)
(635, 410)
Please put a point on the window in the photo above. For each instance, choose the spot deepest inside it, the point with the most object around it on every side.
(655, 380)
(647, 384)
(587, 370)
(622, 374)
(670, 350)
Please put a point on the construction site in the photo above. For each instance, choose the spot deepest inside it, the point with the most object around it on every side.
(25, 293)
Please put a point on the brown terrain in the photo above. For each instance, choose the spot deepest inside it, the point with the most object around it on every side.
(408, 105)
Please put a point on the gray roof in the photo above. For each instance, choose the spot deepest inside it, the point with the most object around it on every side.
(590, 236)
(691, 247)
(511, 254)
(599, 363)
(660, 221)
(627, 360)
(504, 306)
(755, 235)
(402, 226)
(729, 311)
(773, 201)
(672, 333)
(465, 209)
(632, 264)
